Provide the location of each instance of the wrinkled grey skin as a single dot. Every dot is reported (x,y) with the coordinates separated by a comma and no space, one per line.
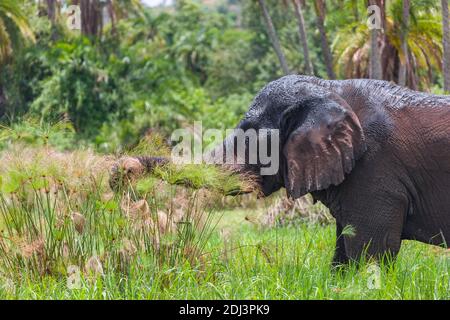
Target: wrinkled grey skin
(376,154)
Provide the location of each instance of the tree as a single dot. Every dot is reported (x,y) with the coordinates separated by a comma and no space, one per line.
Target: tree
(92,21)
(273,37)
(302,35)
(446,44)
(376,41)
(352,45)
(91,17)
(121,9)
(320,8)
(51,13)
(13,28)
(112,15)
(404,55)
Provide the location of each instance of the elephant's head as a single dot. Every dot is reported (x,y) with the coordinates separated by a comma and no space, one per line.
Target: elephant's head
(320,136)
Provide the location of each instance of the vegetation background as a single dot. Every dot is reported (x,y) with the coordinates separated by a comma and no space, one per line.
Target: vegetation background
(71,101)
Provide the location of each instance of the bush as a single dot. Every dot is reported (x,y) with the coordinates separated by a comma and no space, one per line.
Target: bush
(88,88)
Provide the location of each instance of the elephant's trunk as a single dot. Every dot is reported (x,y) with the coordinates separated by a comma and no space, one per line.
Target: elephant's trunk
(130,168)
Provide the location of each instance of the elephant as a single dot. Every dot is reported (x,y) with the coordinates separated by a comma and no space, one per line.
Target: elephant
(375,153)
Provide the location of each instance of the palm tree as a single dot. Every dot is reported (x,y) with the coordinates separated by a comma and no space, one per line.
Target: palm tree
(376,37)
(52,13)
(112,15)
(92,13)
(302,35)
(91,17)
(320,8)
(446,44)
(273,37)
(13,28)
(123,8)
(404,59)
(352,44)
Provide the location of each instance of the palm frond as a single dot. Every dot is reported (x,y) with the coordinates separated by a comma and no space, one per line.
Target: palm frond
(11,18)
(5,43)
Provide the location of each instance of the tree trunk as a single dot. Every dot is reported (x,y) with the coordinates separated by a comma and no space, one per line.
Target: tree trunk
(51,13)
(320,19)
(91,17)
(112,16)
(446,42)
(375,70)
(302,35)
(273,37)
(404,65)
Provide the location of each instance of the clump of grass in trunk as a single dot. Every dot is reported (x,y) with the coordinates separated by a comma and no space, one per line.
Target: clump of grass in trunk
(196,176)
(152,144)
(205,176)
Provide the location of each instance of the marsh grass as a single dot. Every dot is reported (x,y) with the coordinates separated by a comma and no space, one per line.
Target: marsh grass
(57,214)
(33,131)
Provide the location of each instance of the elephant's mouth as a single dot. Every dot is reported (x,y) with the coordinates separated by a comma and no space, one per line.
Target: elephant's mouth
(270,184)
(250,180)
(262,185)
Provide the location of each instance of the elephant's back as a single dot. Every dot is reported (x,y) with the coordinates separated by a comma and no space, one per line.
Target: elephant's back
(417,119)
(392,96)
(424,134)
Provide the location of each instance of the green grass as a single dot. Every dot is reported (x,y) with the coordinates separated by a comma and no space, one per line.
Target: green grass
(282,263)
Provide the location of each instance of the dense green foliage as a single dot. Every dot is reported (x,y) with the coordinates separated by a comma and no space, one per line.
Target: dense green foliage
(160,69)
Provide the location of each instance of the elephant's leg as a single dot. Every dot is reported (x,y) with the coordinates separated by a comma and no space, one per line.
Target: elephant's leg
(340,256)
(373,242)
(377,230)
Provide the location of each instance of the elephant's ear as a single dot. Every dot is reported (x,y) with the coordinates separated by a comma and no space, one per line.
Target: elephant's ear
(321,140)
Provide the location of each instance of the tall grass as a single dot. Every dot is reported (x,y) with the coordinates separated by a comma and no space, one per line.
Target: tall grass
(57,215)
(279,263)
